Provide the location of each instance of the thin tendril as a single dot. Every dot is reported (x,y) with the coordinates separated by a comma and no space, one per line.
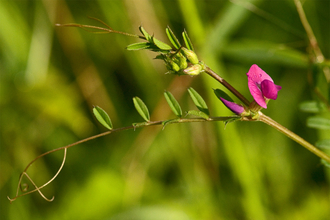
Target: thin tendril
(36,187)
(102,22)
(103,30)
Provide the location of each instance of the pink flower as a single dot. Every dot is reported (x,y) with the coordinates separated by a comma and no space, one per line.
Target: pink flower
(236,108)
(261,86)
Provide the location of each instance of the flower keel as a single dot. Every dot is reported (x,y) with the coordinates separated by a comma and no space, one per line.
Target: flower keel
(269,89)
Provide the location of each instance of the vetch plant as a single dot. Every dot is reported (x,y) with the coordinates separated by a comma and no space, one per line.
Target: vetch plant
(181,59)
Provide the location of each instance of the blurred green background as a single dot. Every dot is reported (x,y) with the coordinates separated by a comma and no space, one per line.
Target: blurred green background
(50,78)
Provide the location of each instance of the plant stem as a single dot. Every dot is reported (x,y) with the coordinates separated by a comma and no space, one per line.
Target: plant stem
(151,123)
(227,85)
(294,137)
(309,31)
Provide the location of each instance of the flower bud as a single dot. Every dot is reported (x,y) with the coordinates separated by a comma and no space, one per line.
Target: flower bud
(174,67)
(191,56)
(193,70)
(181,61)
(236,108)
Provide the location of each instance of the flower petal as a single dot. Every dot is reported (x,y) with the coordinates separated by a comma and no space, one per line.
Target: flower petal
(256,93)
(255,76)
(236,108)
(269,89)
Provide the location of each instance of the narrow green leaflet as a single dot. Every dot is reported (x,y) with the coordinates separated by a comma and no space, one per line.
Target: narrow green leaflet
(175,42)
(318,122)
(187,40)
(325,163)
(324,144)
(173,103)
(219,93)
(312,106)
(139,46)
(152,40)
(141,108)
(199,101)
(102,117)
(145,34)
(161,45)
(198,114)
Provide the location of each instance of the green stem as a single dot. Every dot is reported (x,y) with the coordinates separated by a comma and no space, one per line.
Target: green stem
(227,85)
(151,123)
(294,137)
(309,31)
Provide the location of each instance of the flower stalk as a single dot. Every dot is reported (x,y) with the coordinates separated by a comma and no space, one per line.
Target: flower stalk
(209,71)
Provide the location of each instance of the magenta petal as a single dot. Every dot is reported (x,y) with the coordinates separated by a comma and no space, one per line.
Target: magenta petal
(257,75)
(236,108)
(269,89)
(257,94)
(261,85)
